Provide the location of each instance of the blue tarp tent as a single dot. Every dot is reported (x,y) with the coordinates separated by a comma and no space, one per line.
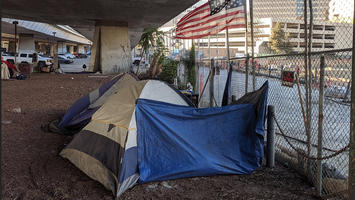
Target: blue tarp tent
(177,141)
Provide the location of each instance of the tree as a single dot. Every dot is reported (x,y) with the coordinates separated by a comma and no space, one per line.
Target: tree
(264,48)
(280,41)
(191,72)
(157,61)
(150,38)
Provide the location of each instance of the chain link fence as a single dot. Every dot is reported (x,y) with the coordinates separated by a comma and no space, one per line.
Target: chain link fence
(329,156)
(312,112)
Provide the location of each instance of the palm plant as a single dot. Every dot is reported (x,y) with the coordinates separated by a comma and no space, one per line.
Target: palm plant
(151,38)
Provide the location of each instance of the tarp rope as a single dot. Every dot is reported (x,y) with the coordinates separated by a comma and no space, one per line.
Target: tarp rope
(303,153)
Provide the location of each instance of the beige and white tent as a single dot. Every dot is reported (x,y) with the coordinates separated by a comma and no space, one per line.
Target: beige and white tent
(106,148)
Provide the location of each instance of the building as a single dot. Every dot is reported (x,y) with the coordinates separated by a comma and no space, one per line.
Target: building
(327,35)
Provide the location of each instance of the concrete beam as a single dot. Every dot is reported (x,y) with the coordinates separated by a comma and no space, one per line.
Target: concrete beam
(111,50)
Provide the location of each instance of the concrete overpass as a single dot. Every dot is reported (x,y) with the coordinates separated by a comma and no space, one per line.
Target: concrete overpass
(114,26)
(33,35)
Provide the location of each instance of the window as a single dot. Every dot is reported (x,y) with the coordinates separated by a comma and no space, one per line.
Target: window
(317,36)
(293,35)
(330,28)
(23,55)
(292,26)
(329,45)
(317,45)
(318,27)
(30,55)
(329,36)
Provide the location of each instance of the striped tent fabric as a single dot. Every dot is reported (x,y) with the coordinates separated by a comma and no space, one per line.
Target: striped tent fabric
(79,114)
(106,148)
(200,23)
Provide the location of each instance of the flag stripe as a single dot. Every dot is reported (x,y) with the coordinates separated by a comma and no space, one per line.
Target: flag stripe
(223,22)
(219,16)
(238,12)
(210,32)
(194,11)
(205,11)
(200,23)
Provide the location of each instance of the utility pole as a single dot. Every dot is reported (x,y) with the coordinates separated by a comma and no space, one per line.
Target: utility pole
(15,23)
(55,54)
(227,46)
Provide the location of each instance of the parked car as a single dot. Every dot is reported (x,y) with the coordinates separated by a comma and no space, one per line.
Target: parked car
(81,55)
(64,60)
(67,55)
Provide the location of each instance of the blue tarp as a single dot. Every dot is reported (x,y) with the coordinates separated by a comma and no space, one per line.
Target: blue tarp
(180,141)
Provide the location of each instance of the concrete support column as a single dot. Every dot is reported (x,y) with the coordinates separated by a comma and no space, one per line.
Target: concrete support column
(111,50)
(51,53)
(62,47)
(55,57)
(81,49)
(71,49)
(26,43)
(12,46)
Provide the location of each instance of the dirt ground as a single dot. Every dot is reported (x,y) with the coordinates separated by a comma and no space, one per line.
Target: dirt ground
(32,169)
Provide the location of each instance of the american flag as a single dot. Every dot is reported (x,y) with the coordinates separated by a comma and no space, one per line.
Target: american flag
(217,5)
(200,23)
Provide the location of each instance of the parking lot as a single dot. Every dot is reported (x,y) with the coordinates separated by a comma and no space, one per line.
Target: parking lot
(76,66)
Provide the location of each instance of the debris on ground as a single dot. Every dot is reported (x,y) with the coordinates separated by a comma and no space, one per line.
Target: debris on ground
(165,184)
(152,186)
(6,122)
(16,110)
(35,171)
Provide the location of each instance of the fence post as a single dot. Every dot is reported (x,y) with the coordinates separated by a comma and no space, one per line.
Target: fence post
(246,73)
(252,41)
(320,125)
(270,138)
(212,82)
(351,178)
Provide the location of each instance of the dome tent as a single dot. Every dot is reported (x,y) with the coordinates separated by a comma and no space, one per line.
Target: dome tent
(79,114)
(146,131)
(111,133)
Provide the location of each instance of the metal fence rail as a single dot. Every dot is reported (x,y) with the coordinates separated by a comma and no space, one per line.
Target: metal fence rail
(327,164)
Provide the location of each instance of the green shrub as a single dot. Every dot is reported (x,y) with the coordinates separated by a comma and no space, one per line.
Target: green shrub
(169,70)
(190,67)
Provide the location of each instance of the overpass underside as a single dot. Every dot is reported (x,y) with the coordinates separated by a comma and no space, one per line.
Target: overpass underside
(114,26)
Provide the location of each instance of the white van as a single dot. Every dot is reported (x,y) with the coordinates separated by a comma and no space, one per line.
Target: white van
(27,57)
